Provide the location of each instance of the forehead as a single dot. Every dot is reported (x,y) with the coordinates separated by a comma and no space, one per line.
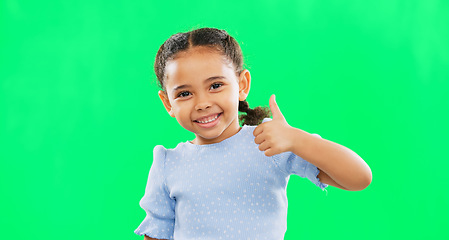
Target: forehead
(196,65)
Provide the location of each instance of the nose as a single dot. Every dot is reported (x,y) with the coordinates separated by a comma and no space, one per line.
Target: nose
(202,103)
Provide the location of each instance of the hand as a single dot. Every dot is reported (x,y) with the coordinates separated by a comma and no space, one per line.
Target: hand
(275,136)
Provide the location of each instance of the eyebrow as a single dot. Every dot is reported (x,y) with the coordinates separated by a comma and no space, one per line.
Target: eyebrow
(187,85)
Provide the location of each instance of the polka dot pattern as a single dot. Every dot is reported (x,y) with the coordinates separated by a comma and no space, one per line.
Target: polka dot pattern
(225,190)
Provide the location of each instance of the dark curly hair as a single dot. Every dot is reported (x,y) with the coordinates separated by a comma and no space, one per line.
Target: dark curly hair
(218,40)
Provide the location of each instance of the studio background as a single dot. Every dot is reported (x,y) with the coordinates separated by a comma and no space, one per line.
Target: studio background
(80,115)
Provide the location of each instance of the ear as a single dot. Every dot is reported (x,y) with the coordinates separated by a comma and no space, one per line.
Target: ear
(164,98)
(244,84)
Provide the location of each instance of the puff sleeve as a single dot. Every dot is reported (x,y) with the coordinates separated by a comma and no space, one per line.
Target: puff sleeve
(159,207)
(290,163)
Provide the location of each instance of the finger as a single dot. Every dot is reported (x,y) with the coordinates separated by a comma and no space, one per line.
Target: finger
(270,152)
(259,139)
(275,108)
(258,130)
(264,146)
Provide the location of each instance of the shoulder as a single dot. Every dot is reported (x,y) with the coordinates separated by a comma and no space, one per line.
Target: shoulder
(245,136)
(164,156)
(249,128)
(161,151)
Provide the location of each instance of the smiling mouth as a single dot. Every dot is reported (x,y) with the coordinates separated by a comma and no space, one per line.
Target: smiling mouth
(208,119)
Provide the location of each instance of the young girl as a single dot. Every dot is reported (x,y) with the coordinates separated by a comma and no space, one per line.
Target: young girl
(230,181)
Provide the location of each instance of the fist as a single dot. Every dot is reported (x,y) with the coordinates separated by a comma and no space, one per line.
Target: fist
(275,136)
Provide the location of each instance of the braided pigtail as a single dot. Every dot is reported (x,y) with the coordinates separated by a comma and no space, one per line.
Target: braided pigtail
(253,116)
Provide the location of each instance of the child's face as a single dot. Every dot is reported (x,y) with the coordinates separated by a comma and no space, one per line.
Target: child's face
(203,93)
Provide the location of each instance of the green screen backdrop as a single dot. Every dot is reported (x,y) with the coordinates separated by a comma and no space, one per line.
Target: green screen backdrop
(80,115)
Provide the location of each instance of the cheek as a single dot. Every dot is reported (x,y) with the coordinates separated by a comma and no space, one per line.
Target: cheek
(182,110)
(232,101)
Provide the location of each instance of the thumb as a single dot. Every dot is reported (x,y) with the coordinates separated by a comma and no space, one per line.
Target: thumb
(275,108)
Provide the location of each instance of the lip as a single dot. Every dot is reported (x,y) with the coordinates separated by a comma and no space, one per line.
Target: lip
(209,124)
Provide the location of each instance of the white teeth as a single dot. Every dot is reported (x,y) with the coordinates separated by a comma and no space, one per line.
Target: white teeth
(209,119)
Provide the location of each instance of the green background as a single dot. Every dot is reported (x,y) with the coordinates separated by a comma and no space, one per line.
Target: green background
(80,115)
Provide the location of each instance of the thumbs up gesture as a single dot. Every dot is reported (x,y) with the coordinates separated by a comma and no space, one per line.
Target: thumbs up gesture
(275,136)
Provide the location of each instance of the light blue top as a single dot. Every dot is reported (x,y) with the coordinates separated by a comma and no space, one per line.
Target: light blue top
(226,190)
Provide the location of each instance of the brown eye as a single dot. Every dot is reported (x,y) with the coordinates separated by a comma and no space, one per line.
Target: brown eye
(184,94)
(216,85)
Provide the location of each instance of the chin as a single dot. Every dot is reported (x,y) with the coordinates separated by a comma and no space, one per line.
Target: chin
(210,136)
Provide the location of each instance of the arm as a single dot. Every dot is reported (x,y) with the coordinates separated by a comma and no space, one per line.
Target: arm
(158,206)
(339,166)
(148,238)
